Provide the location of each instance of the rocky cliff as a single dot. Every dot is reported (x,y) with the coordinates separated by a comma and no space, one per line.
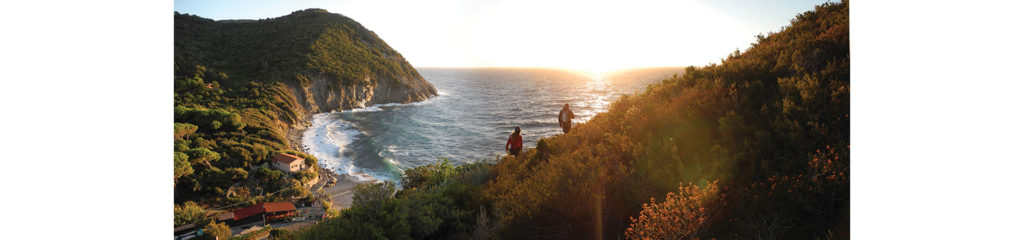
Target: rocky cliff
(329,61)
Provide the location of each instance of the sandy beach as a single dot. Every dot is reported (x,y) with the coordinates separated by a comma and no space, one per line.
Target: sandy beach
(341,191)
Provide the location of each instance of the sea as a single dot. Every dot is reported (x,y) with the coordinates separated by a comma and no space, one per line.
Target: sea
(469,121)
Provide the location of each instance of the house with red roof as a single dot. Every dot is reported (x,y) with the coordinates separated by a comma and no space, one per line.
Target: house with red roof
(288,163)
(264,212)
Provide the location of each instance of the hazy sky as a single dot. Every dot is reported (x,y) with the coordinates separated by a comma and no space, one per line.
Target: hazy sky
(594,36)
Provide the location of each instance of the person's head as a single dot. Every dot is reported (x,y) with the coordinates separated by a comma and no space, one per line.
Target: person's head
(517,131)
(566,106)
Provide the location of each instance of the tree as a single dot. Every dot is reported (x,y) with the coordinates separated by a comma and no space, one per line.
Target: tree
(215,230)
(183,130)
(188,212)
(237,174)
(182,167)
(202,155)
(270,179)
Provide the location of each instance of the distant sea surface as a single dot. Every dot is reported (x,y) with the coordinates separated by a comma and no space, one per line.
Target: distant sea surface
(469,121)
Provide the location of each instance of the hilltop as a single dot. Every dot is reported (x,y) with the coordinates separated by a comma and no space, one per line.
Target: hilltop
(328,61)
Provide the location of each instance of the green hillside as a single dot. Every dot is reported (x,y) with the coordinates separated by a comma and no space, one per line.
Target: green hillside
(755,147)
(240,87)
(311,41)
(329,61)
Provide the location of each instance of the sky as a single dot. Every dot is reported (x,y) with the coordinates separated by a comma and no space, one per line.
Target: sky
(592,36)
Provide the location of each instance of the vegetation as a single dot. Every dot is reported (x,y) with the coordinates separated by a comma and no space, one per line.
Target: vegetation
(685,215)
(445,204)
(757,118)
(224,139)
(262,234)
(216,231)
(238,89)
(291,49)
(760,140)
(189,212)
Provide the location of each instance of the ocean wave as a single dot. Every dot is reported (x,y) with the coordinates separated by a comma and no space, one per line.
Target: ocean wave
(366,109)
(328,139)
(379,107)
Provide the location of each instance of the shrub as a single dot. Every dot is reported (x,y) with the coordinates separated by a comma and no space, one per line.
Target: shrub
(184,130)
(189,212)
(430,175)
(373,196)
(683,215)
(215,230)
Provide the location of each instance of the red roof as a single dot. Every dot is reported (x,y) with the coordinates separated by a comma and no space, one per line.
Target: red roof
(262,208)
(279,207)
(287,158)
(248,211)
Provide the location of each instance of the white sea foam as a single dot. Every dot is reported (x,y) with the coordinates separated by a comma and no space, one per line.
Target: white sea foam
(327,140)
(373,108)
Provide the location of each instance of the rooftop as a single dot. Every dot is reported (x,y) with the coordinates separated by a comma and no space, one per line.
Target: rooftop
(262,208)
(287,158)
(279,206)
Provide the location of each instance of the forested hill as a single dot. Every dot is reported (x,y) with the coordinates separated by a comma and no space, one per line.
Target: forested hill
(755,147)
(240,86)
(328,61)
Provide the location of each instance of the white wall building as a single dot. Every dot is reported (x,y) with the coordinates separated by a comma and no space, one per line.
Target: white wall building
(288,163)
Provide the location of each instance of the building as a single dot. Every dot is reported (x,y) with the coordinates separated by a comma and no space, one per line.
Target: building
(279,210)
(288,163)
(264,212)
(227,218)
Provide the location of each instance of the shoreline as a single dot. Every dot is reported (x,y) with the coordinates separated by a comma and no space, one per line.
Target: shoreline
(341,192)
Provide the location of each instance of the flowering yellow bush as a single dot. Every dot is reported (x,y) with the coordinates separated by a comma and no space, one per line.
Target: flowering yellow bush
(683,215)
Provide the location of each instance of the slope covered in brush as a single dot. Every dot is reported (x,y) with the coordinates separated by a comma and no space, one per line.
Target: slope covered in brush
(770,124)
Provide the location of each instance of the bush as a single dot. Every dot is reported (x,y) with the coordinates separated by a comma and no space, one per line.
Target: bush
(434,174)
(373,196)
(216,231)
(189,212)
(683,215)
(442,211)
(184,130)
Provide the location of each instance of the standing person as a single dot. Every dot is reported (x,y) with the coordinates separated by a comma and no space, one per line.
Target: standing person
(516,142)
(565,118)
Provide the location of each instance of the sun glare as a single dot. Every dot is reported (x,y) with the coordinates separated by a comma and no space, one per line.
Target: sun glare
(591,36)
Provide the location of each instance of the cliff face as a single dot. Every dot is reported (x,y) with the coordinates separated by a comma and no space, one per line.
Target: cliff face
(320,96)
(329,61)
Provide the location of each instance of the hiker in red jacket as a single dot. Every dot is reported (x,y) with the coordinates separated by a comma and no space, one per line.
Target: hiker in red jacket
(516,142)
